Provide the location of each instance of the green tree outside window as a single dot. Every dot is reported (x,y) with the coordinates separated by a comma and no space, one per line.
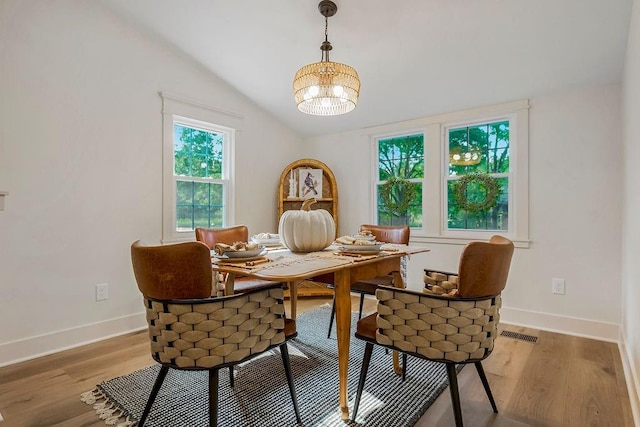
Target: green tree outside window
(198,161)
(400,174)
(479,149)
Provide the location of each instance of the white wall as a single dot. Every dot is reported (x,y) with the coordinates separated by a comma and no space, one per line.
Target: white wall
(80,154)
(574,216)
(631,210)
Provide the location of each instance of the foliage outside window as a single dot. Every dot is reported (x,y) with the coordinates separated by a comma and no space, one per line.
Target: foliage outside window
(481,154)
(198,177)
(400,173)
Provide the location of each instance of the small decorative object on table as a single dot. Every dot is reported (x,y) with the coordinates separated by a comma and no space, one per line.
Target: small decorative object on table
(307,230)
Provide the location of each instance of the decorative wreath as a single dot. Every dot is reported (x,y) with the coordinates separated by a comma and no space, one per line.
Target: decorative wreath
(491,186)
(393,206)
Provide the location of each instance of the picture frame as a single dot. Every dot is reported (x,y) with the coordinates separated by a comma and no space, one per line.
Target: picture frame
(309,183)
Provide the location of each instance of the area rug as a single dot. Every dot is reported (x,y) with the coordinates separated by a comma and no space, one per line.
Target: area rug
(261,397)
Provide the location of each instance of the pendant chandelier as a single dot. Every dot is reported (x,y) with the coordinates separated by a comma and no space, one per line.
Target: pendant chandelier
(326,88)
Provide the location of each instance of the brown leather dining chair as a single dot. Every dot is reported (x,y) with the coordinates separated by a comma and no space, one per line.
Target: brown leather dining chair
(189,330)
(230,235)
(383,233)
(454,328)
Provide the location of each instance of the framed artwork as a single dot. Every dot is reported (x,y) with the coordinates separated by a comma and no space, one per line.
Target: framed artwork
(309,183)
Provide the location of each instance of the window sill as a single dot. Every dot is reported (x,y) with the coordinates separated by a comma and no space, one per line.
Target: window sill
(518,243)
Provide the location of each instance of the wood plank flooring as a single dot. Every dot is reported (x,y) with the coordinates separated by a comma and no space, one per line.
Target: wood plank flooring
(559,381)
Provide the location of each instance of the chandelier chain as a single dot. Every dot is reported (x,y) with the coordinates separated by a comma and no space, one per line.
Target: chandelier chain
(326,46)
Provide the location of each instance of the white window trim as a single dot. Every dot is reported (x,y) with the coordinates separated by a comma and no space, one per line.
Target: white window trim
(436,171)
(180,110)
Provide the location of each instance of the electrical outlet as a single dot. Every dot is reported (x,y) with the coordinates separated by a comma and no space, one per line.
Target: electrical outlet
(558,286)
(102,292)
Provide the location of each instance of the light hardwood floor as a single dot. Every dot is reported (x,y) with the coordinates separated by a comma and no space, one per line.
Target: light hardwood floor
(559,381)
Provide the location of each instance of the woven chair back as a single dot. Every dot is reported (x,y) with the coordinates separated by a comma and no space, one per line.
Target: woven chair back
(437,328)
(213,332)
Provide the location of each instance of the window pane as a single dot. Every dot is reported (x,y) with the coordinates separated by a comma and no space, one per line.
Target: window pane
(184,218)
(197,152)
(481,148)
(400,158)
(496,218)
(199,204)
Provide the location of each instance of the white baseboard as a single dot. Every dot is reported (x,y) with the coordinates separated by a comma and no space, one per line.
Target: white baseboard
(42,345)
(602,331)
(631,376)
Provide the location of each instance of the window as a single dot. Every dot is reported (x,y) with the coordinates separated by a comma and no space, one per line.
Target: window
(198,147)
(466,174)
(478,149)
(400,172)
(198,174)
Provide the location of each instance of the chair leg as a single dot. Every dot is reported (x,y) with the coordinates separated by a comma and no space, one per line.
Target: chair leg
(213,397)
(231,379)
(361,304)
(485,383)
(363,376)
(154,393)
(333,314)
(404,366)
(455,396)
(284,351)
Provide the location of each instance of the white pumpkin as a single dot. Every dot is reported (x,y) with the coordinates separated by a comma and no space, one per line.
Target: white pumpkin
(307,230)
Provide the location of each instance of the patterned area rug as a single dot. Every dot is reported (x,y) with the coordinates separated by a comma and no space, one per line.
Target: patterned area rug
(261,397)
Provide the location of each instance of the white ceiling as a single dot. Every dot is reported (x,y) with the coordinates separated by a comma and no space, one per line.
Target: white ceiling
(415,57)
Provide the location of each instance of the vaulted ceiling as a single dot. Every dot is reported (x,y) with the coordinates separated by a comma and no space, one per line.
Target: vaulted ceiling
(415,57)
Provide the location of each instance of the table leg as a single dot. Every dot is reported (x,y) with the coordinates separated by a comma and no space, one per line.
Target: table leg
(343,332)
(293,298)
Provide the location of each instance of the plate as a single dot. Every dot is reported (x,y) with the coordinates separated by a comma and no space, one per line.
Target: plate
(273,241)
(360,248)
(244,254)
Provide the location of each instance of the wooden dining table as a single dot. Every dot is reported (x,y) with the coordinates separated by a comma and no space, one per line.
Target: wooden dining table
(285,266)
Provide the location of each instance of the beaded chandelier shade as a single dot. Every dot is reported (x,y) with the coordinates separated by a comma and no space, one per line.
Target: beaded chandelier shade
(326,88)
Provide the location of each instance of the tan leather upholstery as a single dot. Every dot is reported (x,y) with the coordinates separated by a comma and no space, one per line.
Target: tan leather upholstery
(389,233)
(230,235)
(398,234)
(367,327)
(484,267)
(227,235)
(177,271)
